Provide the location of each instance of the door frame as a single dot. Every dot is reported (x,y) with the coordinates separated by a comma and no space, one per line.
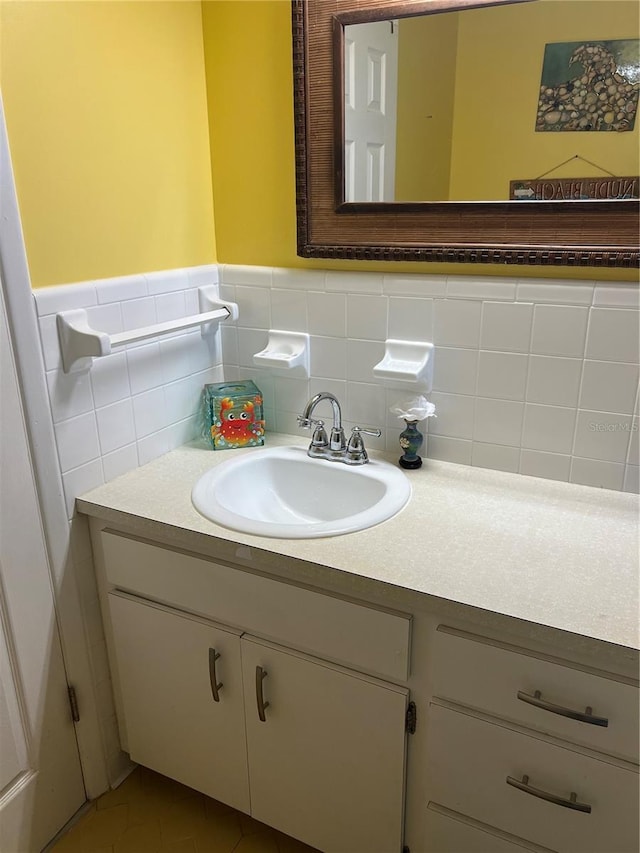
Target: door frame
(21,317)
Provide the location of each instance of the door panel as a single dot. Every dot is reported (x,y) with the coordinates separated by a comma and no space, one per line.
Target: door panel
(41,779)
(13,747)
(327,764)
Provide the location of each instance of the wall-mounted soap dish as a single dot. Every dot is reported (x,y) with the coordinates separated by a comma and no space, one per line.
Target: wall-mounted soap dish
(285,351)
(406,364)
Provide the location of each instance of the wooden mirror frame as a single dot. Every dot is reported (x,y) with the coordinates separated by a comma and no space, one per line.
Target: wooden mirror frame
(541,233)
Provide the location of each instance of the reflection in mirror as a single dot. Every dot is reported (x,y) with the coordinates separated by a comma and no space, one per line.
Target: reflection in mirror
(455,106)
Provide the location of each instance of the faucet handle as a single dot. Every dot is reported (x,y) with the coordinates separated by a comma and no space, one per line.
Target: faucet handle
(375,432)
(307,423)
(319,439)
(355,453)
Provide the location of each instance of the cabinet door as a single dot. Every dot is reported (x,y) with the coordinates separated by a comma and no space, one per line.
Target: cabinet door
(174,725)
(327,763)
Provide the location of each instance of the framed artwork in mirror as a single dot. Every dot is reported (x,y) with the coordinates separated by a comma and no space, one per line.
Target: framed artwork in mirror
(467,221)
(589,86)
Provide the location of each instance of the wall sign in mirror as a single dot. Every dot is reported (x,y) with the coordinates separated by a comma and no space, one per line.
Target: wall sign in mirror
(415,118)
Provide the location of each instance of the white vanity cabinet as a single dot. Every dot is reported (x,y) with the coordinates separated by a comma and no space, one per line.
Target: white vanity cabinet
(326,764)
(530,748)
(515,647)
(181,683)
(309,746)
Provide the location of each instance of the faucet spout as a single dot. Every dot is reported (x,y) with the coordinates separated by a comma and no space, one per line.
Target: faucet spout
(337,443)
(335,405)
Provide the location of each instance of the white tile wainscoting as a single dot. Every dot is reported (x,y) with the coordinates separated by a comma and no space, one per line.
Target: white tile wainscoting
(538,377)
(531,376)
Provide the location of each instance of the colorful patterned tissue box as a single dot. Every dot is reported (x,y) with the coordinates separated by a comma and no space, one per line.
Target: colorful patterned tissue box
(233,415)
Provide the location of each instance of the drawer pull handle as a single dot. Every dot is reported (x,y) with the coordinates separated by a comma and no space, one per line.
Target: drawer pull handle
(585,716)
(571,803)
(213,678)
(262,705)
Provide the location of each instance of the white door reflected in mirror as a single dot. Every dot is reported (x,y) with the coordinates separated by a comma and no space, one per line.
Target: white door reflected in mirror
(371,86)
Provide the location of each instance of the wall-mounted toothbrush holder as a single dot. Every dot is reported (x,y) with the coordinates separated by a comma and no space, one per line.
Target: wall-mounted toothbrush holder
(406,364)
(287,351)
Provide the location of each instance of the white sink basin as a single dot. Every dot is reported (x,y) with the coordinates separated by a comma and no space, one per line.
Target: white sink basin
(281,492)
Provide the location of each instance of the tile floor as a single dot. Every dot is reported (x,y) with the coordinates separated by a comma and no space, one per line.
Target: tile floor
(149,813)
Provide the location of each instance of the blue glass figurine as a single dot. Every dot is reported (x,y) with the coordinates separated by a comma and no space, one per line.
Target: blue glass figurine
(410,441)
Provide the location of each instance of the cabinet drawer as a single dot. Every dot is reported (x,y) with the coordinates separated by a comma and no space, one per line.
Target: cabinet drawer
(450,832)
(471,760)
(491,678)
(362,637)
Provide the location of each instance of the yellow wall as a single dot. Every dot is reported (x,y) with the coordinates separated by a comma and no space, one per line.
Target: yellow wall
(107,116)
(426,52)
(106,112)
(498,75)
(249,76)
(250,94)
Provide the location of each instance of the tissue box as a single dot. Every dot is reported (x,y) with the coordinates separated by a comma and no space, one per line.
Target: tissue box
(233,415)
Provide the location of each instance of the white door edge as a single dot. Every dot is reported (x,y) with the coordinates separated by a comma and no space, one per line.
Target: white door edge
(21,317)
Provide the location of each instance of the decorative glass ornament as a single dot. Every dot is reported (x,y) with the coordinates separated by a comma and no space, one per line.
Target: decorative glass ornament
(410,441)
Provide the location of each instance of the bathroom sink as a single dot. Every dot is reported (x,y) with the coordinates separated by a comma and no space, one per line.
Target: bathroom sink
(281,492)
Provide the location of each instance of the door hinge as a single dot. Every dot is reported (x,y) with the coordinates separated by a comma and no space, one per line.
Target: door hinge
(410,718)
(73,702)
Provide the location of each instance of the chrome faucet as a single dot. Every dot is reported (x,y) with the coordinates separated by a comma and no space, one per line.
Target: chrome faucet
(320,444)
(334,447)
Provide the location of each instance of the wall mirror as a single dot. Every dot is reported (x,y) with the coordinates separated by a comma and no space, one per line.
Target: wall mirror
(477,102)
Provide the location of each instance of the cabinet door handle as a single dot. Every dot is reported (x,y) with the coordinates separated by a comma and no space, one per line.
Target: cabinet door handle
(585,716)
(262,705)
(571,803)
(213,678)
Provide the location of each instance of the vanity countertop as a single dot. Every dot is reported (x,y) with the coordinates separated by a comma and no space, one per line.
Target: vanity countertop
(554,554)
